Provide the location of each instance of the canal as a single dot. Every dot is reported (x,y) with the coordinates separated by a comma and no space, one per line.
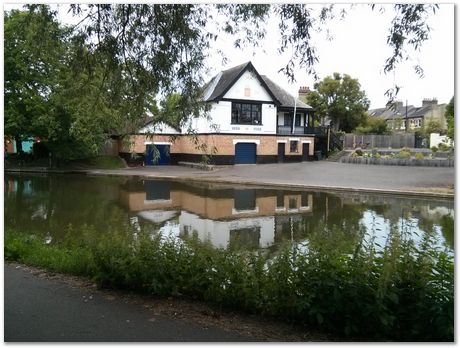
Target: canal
(54,207)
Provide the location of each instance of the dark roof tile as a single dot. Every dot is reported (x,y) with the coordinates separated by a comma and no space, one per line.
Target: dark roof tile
(225,79)
(286,99)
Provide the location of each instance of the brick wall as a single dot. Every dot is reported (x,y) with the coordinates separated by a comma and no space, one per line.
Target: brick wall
(223,144)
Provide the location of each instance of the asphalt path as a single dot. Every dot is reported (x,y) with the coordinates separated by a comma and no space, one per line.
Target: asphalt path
(39,309)
(319,175)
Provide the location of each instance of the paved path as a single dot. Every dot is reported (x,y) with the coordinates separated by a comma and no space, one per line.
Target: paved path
(321,175)
(46,310)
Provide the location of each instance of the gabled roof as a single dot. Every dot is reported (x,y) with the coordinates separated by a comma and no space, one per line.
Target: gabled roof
(286,99)
(222,82)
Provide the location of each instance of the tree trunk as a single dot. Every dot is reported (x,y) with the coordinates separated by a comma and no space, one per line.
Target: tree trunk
(18,141)
(336,126)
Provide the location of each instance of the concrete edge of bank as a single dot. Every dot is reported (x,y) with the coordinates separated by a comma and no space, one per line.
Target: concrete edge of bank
(219,180)
(284,185)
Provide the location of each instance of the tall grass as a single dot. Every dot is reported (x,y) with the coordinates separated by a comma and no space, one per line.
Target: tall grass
(399,292)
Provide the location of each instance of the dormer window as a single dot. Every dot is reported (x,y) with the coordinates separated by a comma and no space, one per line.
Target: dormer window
(245,113)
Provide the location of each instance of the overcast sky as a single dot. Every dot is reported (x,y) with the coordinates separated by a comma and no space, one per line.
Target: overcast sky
(358,48)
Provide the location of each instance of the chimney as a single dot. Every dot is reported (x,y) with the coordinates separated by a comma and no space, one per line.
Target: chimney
(396,105)
(399,104)
(428,102)
(303,92)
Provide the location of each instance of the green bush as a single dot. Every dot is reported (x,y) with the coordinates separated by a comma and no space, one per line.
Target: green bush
(403,292)
(419,156)
(443,147)
(403,154)
(358,152)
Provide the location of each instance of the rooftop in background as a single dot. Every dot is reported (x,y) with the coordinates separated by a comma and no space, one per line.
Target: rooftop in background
(399,109)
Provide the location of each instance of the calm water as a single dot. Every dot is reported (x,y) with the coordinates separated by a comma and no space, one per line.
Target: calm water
(54,207)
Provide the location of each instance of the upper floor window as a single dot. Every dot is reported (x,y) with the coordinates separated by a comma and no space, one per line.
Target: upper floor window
(243,113)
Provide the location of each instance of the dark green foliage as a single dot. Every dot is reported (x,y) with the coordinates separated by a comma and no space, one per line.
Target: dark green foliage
(450,117)
(33,47)
(400,292)
(40,150)
(373,125)
(340,99)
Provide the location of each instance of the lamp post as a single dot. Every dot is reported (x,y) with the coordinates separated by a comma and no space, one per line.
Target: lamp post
(295,109)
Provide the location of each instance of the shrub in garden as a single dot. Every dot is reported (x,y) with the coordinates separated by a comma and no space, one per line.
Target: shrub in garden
(403,154)
(443,147)
(419,156)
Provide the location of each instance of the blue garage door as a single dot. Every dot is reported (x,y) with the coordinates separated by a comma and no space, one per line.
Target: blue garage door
(163,150)
(245,153)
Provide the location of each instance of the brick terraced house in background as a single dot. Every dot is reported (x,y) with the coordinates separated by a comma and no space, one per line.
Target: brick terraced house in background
(251,120)
(399,116)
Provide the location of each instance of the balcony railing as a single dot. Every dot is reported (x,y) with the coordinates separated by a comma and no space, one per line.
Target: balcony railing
(287,130)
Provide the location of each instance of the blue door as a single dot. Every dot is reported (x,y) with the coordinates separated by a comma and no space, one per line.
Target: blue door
(245,153)
(164,158)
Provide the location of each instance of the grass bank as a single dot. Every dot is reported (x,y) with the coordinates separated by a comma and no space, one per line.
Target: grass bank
(399,292)
(99,162)
(96,162)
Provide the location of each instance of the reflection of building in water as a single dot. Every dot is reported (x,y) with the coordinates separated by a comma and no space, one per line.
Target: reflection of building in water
(252,232)
(220,215)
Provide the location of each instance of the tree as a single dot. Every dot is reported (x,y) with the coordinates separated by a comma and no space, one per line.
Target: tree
(432,125)
(58,90)
(450,117)
(32,49)
(341,100)
(373,125)
(159,35)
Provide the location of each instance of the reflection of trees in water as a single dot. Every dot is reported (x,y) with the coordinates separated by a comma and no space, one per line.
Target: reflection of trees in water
(55,202)
(331,223)
(447,227)
(421,218)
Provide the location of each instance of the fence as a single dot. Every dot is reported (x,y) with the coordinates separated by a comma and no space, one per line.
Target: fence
(110,148)
(394,141)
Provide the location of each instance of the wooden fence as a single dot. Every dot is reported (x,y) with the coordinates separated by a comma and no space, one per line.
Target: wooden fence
(394,141)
